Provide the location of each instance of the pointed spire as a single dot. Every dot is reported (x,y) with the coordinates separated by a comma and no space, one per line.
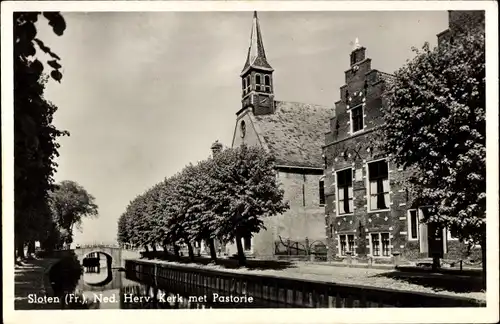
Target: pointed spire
(356,44)
(256,55)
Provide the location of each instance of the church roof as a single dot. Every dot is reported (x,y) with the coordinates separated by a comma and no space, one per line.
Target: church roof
(256,55)
(295,133)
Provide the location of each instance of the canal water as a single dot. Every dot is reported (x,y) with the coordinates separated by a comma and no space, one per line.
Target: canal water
(109,288)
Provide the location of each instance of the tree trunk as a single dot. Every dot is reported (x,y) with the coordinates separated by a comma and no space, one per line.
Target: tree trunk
(242,260)
(213,253)
(165,250)
(31,248)
(20,247)
(483,258)
(176,252)
(146,248)
(435,262)
(154,247)
(190,251)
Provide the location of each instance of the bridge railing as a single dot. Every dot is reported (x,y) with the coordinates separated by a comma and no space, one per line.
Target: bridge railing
(100,245)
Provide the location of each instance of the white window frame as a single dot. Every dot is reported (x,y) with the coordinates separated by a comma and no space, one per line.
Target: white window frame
(418,211)
(349,248)
(337,192)
(380,245)
(362,116)
(368,191)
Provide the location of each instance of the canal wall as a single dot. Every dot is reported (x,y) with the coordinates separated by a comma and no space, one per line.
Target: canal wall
(287,292)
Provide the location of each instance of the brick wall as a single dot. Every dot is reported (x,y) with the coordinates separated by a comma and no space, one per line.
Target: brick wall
(365,86)
(460,20)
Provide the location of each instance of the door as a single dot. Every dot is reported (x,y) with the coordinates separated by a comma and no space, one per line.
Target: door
(435,239)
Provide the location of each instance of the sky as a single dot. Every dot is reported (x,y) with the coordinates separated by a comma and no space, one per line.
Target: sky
(144,94)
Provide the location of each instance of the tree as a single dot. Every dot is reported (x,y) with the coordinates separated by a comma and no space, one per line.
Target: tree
(70,203)
(244,189)
(194,194)
(435,129)
(35,146)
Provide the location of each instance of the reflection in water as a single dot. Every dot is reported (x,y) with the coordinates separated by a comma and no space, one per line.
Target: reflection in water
(124,292)
(113,289)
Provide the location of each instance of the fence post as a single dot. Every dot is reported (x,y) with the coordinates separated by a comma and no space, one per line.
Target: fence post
(396,257)
(349,257)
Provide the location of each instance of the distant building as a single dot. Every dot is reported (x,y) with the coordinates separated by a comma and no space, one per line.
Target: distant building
(294,133)
(366,209)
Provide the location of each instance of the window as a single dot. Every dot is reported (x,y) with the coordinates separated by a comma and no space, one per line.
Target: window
(257,82)
(244,85)
(247,243)
(322,192)
(343,244)
(413,224)
(375,244)
(344,192)
(449,236)
(357,119)
(353,58)
(386,250)
(267,80)
(378,175)
(248,83)
(303,195)
(346,243)
(380,244)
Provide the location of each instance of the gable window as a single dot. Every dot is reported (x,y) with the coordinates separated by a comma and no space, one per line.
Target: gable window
(378,175)
(344,192)
(380,244)
(322,192)
(346,243)
(353,58)
(356,119)
(413,224)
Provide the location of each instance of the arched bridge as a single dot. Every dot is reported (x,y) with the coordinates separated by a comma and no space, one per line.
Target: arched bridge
(115,254)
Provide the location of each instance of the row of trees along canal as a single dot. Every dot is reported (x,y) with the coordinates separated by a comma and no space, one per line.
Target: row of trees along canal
(224,198)
(434,129)
(43,211)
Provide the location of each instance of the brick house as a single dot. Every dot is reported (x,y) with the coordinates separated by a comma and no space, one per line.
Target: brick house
(294,133)
(366,208)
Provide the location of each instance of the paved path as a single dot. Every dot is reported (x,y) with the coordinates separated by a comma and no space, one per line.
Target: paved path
(29,279)
(382,278)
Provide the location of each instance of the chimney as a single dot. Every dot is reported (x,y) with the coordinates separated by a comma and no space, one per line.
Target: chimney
(358,53)
(216,148)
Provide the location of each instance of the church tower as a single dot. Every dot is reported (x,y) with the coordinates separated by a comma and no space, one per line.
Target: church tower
(257,75)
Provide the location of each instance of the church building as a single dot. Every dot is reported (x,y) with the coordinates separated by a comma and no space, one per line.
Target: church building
(294,133)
